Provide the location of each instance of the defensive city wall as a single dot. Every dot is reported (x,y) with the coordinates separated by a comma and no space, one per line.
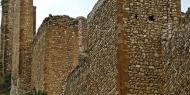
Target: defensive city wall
(123,47)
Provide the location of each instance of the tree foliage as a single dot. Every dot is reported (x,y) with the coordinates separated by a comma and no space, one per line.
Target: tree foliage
(5,5)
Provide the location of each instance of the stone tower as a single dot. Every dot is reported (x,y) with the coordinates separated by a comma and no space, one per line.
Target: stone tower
(21,16)
(141,24)
(125,52)
(5,53)
(5,47)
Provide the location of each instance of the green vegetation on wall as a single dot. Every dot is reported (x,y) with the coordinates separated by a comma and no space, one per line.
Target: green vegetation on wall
(36,92)
(5,84)
(5,5)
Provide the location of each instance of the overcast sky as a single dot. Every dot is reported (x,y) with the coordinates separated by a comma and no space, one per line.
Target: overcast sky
(72,8)
(185,4)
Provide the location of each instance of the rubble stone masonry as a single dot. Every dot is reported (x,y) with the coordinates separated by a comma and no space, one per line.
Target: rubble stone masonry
(124,47)
(5,53)
(22,35)
(141,61)
(176,48)
(55,54)
(150,39)
(97,73)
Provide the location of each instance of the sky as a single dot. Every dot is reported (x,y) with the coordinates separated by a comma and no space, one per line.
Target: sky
(73,8)
(184,5)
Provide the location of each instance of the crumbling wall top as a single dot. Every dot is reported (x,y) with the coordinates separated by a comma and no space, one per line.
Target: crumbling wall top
(56,21)
(59,20)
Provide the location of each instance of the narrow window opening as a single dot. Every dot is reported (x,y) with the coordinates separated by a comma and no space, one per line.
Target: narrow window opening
(136,16)
(151,18)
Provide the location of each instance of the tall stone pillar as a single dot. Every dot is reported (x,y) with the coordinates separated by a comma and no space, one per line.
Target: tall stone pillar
(5,47)
(23,29)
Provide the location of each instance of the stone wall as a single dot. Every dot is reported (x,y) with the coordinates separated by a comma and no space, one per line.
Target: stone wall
(102,50)
(125,47)
(77,82)
(5,39)
(26,37)
(151,42)
(141,61)
(82,32)
(176,48)
(5,48)
(22,35)
(34,18)
(14,26)
(55,53)
(77,79)
(97,73)
(38,58)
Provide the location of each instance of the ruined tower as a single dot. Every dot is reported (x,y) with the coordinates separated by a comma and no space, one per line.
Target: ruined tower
(125,49)
(22,34)
(141,60)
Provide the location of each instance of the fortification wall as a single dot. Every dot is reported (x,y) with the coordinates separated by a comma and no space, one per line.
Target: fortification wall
(5,48)
(6,39)
(98,74)
(141,60)
(15,26)
(130,47)
(82,34)
(26,37)
(102,49)
(77,80)
(22,36)
(176,47)
(38,58)
(57,44)
(151,46)
(77,83)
